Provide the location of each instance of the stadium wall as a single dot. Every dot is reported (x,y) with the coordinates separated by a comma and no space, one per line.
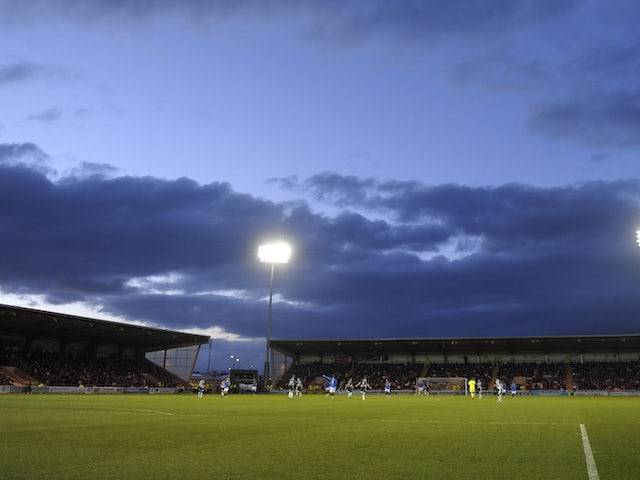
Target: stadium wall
(53,389)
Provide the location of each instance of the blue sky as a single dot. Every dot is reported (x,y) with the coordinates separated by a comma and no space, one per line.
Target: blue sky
(368,124)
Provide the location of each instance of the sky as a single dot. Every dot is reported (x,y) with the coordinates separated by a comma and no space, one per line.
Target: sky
(441,168)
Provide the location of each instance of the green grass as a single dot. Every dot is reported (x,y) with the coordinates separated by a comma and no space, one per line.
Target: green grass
(263,437)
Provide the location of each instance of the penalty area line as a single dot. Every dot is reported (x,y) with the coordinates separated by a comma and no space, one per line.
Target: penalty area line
(592,470)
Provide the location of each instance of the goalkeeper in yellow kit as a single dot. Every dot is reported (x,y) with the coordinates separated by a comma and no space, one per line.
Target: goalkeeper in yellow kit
(472,387)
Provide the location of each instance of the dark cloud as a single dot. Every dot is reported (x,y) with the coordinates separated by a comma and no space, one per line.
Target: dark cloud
(588,94)
(503,70)
(20,71)
(450,260)
(428,18)
(17,151)
(81,111)
(415,19)
(601,157)
(602,119)
(502,213)
(88,169)
(49,115)
(25,154)
(341,190)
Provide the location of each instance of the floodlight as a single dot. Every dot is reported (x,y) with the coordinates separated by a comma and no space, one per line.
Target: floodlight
(277,252)
(638,237)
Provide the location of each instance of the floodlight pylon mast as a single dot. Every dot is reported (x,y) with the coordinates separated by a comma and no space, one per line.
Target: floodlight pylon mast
(267,356)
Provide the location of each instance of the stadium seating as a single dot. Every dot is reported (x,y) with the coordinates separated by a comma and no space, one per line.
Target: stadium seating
(606,375)
(4,380)
(534,376)
(52,368)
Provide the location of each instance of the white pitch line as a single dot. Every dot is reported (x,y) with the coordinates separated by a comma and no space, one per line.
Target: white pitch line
(128,411)
(592,470)
(158,412)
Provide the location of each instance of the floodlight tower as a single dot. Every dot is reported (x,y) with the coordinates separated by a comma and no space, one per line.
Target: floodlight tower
(272,253)
(638,237)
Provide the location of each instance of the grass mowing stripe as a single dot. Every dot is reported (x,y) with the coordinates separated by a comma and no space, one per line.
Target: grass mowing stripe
(135,411)
(592,470)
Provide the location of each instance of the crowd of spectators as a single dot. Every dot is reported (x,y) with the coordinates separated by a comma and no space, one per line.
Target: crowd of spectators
(606,376)
(53,368)
(4,380)
(401,375)
(536,376)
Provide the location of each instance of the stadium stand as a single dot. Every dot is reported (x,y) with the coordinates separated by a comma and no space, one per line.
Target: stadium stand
(528,376)
(605,363)
(52,368)
(51,349)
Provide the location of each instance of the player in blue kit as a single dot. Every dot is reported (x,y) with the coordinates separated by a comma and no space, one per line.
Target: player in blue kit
(224,387)
(332,385)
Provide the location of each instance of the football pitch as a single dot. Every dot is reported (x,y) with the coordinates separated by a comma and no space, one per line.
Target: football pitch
(314,437)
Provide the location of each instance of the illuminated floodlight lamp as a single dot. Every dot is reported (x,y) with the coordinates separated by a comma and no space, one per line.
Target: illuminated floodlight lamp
(638,237)
(277,252)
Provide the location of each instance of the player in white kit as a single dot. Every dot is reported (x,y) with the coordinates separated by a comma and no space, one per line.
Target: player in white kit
(292,385)
(499,389)
(299,387)
(364,386)
(201,388)
(349,388)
